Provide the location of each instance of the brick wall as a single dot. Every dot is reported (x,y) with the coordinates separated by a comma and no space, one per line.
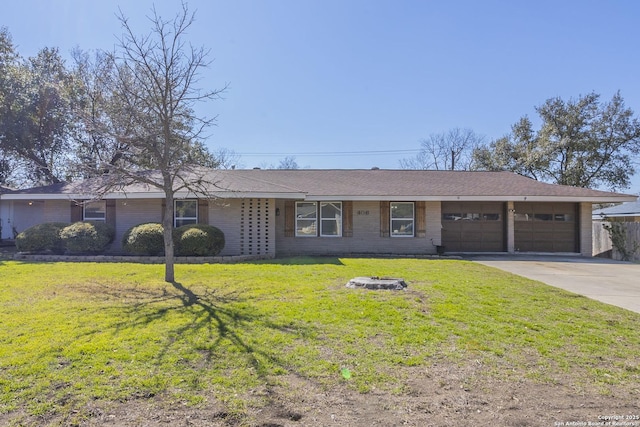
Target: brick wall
(366,235)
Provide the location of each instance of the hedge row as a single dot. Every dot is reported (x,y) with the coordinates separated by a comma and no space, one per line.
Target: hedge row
(188,240)
(142,239)
(59,238)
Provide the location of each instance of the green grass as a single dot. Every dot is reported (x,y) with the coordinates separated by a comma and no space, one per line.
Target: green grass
(71,334)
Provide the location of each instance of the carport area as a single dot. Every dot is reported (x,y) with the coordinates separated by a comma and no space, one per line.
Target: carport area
(613,282)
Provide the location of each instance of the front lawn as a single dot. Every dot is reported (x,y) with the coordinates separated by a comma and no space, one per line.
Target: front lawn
(75,337)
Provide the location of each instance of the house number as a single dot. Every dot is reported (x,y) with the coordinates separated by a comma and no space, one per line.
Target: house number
(363,212)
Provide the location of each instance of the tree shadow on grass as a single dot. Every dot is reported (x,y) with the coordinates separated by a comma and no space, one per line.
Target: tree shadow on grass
(223,323)
(226,318)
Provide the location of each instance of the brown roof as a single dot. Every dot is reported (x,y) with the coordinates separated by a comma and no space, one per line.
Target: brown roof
(364,184)
(419,184)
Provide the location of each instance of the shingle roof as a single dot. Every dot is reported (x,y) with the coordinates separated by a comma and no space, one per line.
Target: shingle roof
(384,184)
(361,184)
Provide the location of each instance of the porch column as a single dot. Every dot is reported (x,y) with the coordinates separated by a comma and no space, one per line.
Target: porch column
(585,237)
(510,228)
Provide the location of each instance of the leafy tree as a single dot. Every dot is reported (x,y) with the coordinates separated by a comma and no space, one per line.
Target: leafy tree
(452,150)
(99,119)
(36,100)
(582,142)
(150,122)
(8,60)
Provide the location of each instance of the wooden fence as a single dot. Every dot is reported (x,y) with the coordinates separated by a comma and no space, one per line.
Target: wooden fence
(602,246)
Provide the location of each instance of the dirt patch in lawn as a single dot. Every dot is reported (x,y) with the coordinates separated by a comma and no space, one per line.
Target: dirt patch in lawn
(441,395)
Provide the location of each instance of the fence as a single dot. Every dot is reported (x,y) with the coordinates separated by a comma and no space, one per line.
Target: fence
(602,246)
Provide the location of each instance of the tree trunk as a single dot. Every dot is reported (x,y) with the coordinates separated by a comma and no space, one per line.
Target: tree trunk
(167,225)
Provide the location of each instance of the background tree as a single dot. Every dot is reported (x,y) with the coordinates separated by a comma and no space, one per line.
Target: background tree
(8,58)
(452,150)
(151,119)
(36,102)
(226,158)
(288,162)
(582,142)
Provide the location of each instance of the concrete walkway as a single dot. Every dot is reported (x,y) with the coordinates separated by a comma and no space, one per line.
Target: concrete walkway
(613,282)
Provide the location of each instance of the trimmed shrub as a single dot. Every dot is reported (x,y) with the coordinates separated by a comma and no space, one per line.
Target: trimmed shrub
(144,239)
(42,238)
(87,237)
(198,240)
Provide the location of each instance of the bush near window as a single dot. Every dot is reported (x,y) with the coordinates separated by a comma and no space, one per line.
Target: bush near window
(144,239)
(198,240)
(42,238)
(87,237)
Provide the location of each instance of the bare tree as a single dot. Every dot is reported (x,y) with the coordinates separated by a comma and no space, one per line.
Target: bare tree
(445,151)
(226,158)
(156,138)
(288,162)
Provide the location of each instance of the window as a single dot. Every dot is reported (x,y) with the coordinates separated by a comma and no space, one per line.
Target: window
(329,214)
(95,211)
(402,219)
(451,216)
(471,217)
(306,219)
(185,212)
(542,217)
(491,217)
(331,219)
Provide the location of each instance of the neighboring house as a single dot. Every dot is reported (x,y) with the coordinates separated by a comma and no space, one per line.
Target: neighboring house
(338,212)
(625,212)
(5,225)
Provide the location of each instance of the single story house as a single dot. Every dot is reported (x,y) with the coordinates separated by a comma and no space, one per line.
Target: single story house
(338,212)
(625,212)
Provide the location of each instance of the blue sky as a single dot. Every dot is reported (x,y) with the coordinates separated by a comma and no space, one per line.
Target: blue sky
(328,76)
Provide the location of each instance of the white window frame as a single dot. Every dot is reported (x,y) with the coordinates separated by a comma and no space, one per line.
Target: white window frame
(411,220)
(177,218)
(102,208)
(313,221)
(337,220)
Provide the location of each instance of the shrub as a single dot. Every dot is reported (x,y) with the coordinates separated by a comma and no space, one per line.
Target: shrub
(42,238)
(198,240)
(144,239)
(87,237)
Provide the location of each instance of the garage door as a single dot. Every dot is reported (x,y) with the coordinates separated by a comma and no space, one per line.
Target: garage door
(473,227)
(546,227)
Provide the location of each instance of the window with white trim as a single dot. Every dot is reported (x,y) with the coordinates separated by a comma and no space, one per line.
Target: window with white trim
(94,211)
(185,212)
(315,219)
(402,219)
(331,219)
(306,219)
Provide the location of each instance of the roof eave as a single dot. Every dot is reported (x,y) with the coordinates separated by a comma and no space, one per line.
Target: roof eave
(519,198)
(155,195)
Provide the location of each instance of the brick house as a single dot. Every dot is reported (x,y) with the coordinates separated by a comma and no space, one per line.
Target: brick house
(338,211)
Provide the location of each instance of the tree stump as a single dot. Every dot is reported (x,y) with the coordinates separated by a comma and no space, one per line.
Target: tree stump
(375,282)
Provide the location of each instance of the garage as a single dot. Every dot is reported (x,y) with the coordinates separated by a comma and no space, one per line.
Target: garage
(473,226)
(546,227)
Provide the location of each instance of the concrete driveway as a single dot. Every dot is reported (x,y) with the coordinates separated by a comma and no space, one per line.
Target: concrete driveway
(612,282)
